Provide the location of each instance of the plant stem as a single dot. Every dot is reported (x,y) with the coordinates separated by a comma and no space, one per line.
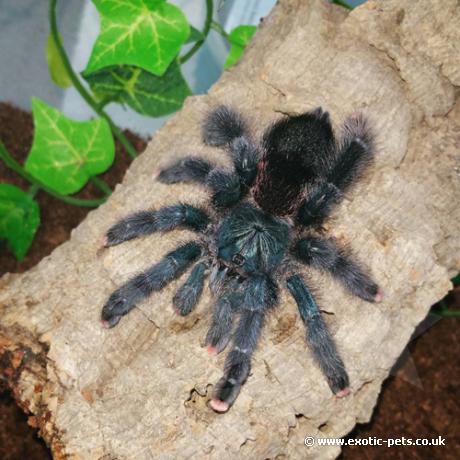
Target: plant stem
(449,313)
(218,28)
(101,185)
(342,3)
(205,32)
(443,310)
(78,85)
(33,189)
(36,184)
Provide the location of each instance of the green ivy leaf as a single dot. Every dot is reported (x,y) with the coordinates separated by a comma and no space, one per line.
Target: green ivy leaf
(241,35)
(233,56)
(238,38)
(19,219)
(142,33)
(343,4)
(144,92)
(195,35)
(66,153)
(56,67)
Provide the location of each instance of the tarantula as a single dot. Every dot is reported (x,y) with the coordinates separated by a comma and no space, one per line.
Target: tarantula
(255,234)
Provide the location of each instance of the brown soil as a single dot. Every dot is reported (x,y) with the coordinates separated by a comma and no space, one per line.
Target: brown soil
(403,408)
(17,440)
(428,409)
(57,218)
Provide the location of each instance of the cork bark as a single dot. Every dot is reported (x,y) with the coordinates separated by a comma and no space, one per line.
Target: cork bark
(140,391)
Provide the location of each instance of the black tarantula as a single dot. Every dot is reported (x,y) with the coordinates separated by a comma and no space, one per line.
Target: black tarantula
(254,235)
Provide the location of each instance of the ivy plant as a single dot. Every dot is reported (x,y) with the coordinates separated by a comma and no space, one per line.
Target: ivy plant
(57,70)
(19,219)
(135,61)
(143,91)
(146,34)
(238,38)
(65,153)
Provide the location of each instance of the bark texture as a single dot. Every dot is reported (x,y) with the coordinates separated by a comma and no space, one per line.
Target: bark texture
(139,391)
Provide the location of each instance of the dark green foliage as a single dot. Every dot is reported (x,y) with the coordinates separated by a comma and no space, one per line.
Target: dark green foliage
(143,91)
(135,61)
(19,219)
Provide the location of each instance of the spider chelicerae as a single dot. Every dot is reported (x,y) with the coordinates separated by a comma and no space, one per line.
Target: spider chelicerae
(255,235)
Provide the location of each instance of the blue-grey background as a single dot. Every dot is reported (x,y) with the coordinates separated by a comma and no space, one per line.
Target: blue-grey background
(24,30)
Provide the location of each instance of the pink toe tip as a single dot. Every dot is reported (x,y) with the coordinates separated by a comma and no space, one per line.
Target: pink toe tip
(105,324)
(218,405)
(104,241)
(356,116)
(156,173)
(379,296)
(212,350)
(343,393)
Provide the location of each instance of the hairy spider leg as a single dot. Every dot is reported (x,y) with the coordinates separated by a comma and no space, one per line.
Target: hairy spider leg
(220,330)
(321,200)
(260,294)
(327,256)
(318,337)
(188,295)
(164,219)
(222,125)
(238,361)
(224,128)
(224,184)
(124,299)
(246,157)
(354,154)
(188,169)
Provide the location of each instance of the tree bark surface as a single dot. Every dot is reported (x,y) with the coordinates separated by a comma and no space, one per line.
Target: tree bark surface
(140,390)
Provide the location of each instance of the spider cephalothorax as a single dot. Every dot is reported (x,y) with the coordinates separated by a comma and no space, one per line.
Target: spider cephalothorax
(255,234)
